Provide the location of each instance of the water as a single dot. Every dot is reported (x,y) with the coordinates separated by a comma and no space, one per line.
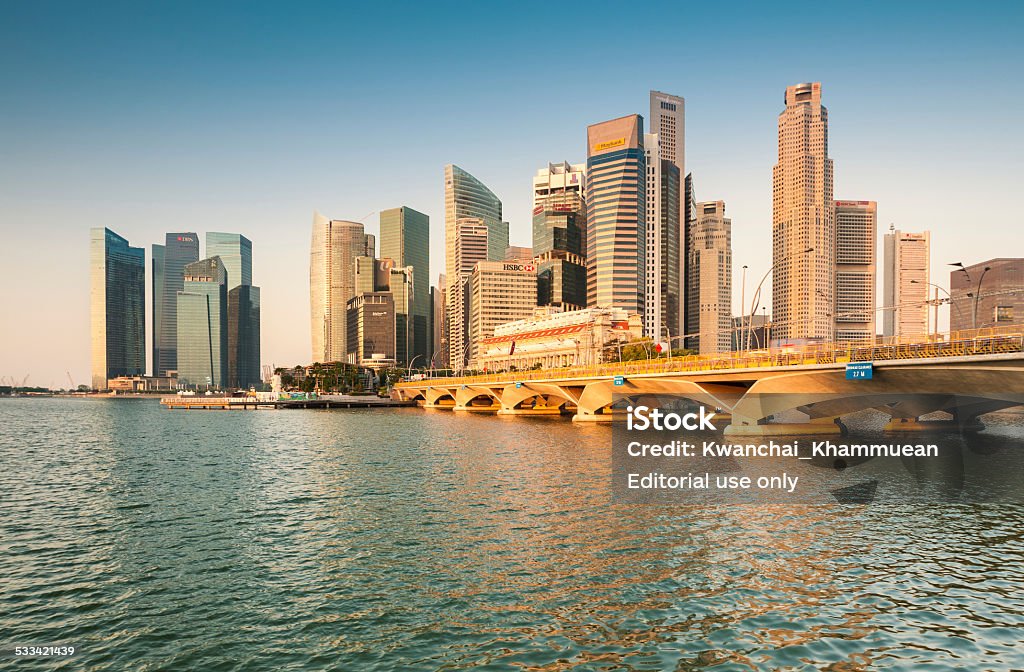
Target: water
(404,539)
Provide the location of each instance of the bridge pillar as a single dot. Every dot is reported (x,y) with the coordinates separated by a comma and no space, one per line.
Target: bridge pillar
(764,428)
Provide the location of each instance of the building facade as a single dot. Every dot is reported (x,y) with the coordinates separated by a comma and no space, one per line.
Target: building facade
(552,338)
(803,221)
(905,285)
(371,329)
(235,252)
(616,214)
(498,292)
(438,296)
(335,246)
(987,294)
(168,264)
(405,238)
(663,272)
(470,248)
(117,307)
(467,199)
(856,231)
(668,122)
(560,234)
(203,326)
(711,279)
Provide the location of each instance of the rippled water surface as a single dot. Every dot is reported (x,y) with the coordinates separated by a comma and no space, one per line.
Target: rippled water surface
(414,540)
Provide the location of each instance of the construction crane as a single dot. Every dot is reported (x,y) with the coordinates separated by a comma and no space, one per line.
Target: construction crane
(71,382)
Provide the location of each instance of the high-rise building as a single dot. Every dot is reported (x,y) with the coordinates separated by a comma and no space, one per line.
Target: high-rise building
(856,231)
(616,214)
(235,252)
(439,357)
(668,122)
(987,294)
(203,325)
(371,329)
(803,221)
(559,235)
(499,292)
(465,196)
(117,307)
(169,261)
(905,285)
(663,271)
(369,245)
(690,276)
(244,337)
(471,246)
(711,261)
(335,246)
(405,238)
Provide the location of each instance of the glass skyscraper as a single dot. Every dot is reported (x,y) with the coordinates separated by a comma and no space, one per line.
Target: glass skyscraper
(235,252)
(559,235)
(203,325)
(405,238)
(117,307)
(169,261)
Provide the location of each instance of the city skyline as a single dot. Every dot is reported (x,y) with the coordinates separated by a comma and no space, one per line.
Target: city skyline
(902,162)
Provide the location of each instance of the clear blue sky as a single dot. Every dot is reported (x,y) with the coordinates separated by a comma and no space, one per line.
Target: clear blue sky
(244,117)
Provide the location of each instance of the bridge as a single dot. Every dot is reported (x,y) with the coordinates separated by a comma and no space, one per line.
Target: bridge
(964,374)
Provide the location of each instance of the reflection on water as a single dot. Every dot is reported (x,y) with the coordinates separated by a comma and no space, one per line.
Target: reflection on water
(406,539)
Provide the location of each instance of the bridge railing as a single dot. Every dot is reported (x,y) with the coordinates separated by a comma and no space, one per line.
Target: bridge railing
(989,340)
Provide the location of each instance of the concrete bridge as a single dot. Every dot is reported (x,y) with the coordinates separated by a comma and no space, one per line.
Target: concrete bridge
(965,375)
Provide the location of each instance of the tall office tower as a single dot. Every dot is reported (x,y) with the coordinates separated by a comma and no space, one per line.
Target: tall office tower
(465,196)
(668,121)
(371,329)
(369,245)
(905,284)
(365,275)
(117,307)
(471,246)
(405,238)
(203,325)
(559,235)
(438,295)
(335,246)
(235,252)
(663,273)
(690,277)
(711,264)
(856,230)
(987,294)
(803,221)
(169,261)
(616,214)
(499,292)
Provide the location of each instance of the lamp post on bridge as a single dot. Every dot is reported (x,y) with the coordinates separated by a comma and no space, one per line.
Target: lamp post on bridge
(756,300)
(976,295)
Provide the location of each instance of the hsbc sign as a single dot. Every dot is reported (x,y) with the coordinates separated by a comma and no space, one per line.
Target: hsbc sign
(526,268)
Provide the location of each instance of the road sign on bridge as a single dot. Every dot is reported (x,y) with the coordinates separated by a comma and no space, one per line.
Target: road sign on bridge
(859,370)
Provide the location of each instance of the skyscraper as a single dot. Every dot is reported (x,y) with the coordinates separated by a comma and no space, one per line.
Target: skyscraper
(905,276)
(616,214)
(117,307)
(498,292)
(471,246)
(335,245)
(668,122)
(438,296)
(803,221)
(203,325)
(711,277)
(856,230)
(169,261)
(405,238)
(559,235)
(663,272)
(235,252)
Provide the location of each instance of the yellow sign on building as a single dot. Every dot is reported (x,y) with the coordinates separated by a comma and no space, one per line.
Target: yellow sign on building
(608,144)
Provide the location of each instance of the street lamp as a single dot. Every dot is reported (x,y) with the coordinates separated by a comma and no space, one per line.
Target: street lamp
(977,297)
(948,295)
(756,300)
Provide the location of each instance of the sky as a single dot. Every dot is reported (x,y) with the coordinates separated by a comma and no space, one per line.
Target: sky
(246,117)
